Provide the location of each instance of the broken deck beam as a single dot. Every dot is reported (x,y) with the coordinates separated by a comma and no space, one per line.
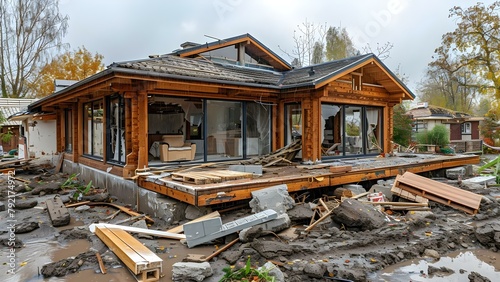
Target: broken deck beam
(142,262)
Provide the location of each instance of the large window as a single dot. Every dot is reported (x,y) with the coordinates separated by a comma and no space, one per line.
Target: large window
(351,130)
(116,130)
(258,129)
(93,129)
(293,122)
(224,124)
(68,131)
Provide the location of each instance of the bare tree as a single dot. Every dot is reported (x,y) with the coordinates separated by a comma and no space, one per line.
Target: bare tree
(382,51)
(29,31)
(306,37)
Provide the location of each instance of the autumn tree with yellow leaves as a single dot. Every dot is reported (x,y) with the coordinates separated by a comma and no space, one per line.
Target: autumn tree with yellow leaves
(76,65)
(468,60)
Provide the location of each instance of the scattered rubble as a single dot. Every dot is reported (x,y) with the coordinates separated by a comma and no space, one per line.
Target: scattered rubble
(345,234)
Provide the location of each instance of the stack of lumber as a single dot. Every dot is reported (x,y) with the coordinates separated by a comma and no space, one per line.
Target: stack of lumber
(442,193)
(210,176)
(142,262)
(284,155)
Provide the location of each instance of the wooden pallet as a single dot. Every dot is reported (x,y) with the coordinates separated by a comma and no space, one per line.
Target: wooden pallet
(142,262)
(439,192)
(210,176)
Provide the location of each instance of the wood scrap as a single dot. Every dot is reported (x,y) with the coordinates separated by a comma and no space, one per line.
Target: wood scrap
(122,208)
(59,163)
(220,250)
(101,263)
(340,169)
(319,220)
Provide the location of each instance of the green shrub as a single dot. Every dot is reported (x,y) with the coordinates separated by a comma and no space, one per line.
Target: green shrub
(439,135)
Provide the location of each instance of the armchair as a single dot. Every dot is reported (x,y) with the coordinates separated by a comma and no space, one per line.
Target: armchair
(173,148)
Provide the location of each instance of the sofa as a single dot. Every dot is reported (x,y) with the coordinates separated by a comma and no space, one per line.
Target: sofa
(174,148)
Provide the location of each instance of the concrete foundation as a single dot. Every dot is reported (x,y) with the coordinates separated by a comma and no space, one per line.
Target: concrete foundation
(127,192)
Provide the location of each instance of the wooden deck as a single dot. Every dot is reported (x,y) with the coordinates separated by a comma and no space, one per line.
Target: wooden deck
(298,178)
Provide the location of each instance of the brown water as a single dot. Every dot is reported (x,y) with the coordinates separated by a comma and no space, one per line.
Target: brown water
(35,254)
(484,262)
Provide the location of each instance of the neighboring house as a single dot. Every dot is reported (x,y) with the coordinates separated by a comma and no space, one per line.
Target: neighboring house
(464,128)
(225,100)
(9,107)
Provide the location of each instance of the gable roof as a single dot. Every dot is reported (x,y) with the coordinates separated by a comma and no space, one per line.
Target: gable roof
(176,66)
(12,106)
(253,46)
(432,112)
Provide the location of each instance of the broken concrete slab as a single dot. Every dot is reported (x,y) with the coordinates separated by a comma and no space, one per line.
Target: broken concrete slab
(274,197)
(301,212)
(25,227)
(58,213)
(194,212)
(272,249)
(191,271)
(23,204)
(455,173)
(354,214)
(282,222)
(207,230)
(386,190)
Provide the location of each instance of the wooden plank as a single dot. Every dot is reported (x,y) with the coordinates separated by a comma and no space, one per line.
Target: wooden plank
(340,168)
(122,208)
(132,229)
(118,242)
(101,263)
(59,163)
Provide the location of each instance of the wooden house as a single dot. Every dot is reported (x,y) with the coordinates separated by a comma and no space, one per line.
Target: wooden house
(225,100)
(463,128)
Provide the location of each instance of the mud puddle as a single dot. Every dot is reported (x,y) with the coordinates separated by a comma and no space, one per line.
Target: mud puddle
(484,262)
(35,254)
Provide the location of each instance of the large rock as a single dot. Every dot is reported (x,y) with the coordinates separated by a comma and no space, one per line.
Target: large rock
(25,227)
(191,271)
(282,222)
(301,212)
(25,204)
(275,198)
(273,270)
(272,249)
(354,214)
(46,188)
(489,235)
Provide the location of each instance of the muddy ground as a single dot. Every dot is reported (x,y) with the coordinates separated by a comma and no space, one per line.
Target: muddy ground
(330,251)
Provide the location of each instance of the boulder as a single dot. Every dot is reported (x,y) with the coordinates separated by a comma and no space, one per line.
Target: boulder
(272,249)
(273,270)
(191,271)
(274,197)
(25,204)
(354,214)
(25,227)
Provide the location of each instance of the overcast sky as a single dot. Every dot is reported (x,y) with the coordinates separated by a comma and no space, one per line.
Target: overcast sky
(122,30)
